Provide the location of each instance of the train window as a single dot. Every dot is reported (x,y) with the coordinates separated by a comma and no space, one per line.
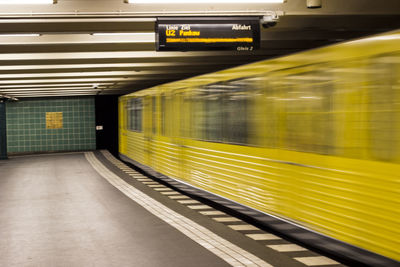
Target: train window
(220,112)
(269,123)
(185,125)
(123,113)
(307,102)
(135,108)
(167,115)
(383,90)
(129,113)
(213,114)
(235,112)
(197,114)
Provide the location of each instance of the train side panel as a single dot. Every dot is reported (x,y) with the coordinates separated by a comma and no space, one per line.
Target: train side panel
(320,147)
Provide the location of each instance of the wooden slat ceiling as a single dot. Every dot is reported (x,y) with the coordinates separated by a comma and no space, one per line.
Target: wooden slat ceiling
(67,59)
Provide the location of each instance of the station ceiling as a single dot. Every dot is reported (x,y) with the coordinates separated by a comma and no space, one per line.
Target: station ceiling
(69,54)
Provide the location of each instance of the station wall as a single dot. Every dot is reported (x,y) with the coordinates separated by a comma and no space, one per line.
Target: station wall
(48,125)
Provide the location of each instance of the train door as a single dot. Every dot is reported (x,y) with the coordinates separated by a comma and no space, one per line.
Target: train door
(167,150)
(171,138)
(122,117)
(185,100)
(182,129)
(178,140)
(149,120)
(175,124)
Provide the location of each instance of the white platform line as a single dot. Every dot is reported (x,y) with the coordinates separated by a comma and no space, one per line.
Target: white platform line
(287,248)
(243,227)
(179,197)
(189,201)
(150,183)
(224,249)
(156,185)
(213,212)
(144,180)
(316,261)
(170,193)
(263,236)
(163,189)
(199,207)
(227,219)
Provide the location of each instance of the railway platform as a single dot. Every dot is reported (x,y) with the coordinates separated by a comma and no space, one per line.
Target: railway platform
(90,209)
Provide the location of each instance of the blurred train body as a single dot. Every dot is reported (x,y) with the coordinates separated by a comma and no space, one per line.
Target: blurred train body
(313,138)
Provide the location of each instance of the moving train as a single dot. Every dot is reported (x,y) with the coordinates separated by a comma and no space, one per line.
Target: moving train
(312,138)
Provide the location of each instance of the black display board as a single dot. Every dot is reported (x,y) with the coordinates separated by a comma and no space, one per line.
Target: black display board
(219,33)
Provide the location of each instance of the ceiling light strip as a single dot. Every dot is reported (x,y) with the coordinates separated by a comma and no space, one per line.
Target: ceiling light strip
(55,85)
(100,65)
(79,74)
(65,39)
(58,95)
(77,19)
(55,92)
(61,92)
(137,34)
(47,89)
(27,2)
(110,55)
(92,80)
(19,34)
(204,1)
(89,75)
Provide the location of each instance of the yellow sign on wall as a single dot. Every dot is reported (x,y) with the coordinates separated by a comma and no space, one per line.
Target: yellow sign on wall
(54,120)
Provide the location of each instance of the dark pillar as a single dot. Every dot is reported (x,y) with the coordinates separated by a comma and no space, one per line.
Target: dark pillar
(3,133)
(107,117)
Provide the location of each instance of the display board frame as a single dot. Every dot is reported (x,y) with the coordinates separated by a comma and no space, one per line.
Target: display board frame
(207,33)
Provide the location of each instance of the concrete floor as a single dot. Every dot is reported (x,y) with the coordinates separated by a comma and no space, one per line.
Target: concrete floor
(55,210)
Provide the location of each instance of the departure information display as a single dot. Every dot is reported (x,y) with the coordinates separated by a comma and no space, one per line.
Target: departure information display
(195,34)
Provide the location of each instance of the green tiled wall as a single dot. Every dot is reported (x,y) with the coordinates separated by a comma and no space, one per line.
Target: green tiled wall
(26,125)
(3,137)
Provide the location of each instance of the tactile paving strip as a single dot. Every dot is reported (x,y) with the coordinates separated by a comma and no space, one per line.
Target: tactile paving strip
(222,248)
(271,241)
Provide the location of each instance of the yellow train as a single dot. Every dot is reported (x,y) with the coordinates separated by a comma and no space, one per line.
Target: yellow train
(312,138)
